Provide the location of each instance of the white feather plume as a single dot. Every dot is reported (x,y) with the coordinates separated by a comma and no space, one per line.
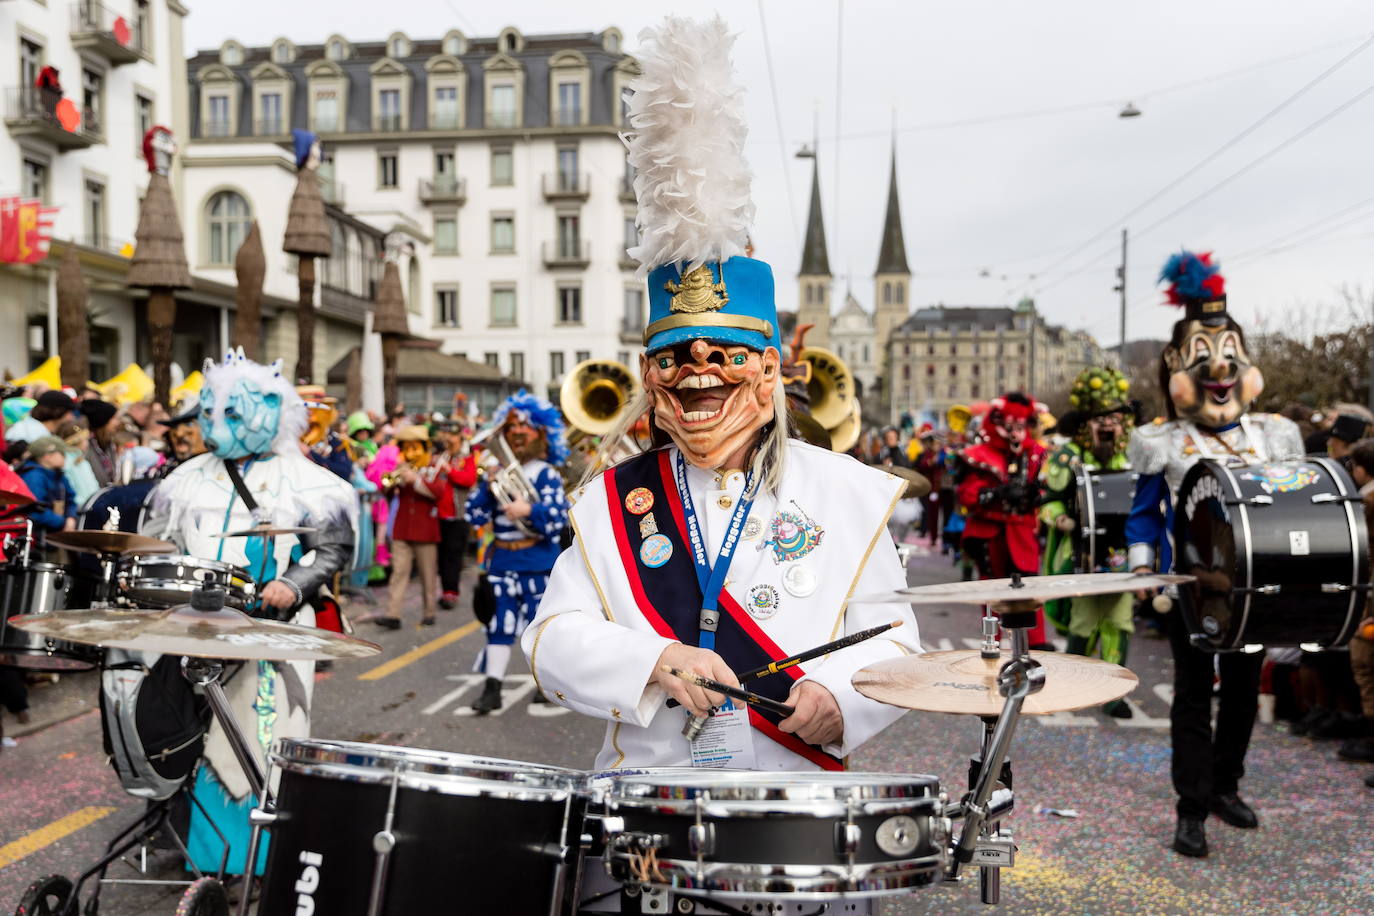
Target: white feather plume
(687,147)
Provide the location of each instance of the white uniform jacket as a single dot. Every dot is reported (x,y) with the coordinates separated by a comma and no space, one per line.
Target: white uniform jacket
(804,553)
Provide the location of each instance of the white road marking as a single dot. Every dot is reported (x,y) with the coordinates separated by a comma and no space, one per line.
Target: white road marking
(516,687)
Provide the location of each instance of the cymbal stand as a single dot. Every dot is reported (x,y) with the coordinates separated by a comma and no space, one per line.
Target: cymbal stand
(981,842)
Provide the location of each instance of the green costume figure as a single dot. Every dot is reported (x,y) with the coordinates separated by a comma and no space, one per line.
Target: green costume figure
(1099,427)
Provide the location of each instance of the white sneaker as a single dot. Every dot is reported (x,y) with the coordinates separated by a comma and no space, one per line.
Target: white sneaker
(8,742)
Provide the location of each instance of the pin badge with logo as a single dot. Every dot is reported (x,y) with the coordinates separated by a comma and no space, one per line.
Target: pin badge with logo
(753,527)
(648,526)
(793,535)
(763,602)
(800,581)
(655,551)
(639,500)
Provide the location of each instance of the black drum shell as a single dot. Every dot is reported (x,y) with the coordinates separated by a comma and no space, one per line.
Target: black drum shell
(453,853)
(38,588)
(1103,501)
(1252,536)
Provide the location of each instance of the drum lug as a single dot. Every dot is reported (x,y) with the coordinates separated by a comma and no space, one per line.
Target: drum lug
(995,851)
(258,817)
(847,838)
(701,839)
(611,827)
(1253,501)
(1334,588)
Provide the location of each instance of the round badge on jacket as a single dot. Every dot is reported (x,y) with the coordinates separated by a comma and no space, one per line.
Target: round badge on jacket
(639,500)
(799,581)
(655,551)
(763,602)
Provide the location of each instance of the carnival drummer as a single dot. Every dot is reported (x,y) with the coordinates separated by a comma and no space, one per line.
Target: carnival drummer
(728,544)
(1209,384)
(252,419)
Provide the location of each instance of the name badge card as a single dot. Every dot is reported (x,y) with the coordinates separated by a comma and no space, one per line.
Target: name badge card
(727,741)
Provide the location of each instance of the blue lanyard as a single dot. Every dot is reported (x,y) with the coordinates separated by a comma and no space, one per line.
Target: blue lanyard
(711,579)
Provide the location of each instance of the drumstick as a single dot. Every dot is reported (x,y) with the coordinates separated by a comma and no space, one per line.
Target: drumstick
(737,693)
(842,643)
(792,660)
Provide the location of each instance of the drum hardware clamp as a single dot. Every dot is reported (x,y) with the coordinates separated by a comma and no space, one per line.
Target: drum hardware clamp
(1253,501)
(383,842)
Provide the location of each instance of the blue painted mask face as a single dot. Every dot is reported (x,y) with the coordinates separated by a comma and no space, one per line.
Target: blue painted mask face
(242,423)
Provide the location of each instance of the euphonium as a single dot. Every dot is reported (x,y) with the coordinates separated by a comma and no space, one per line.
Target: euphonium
(498,464)
(594,395)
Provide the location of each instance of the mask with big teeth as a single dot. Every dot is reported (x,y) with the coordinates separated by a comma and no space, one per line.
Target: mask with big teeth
(711,399)
(1210,377)
(526,441)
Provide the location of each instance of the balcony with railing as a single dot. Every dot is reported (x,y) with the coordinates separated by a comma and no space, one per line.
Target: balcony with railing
(567,255)
(444,119)
(39,114)
(271,127)
(388,123)
(631,332)
(327,124)
(567,186)
(100,30)
(569,117)
(443,189)
(501,119)
(216,127)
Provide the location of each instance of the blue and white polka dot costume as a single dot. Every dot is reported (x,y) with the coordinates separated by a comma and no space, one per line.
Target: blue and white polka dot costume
(518,575)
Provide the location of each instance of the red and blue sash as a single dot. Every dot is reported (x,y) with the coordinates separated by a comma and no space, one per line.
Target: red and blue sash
(669,596)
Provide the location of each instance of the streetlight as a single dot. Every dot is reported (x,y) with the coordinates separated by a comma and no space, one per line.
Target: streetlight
(1130,111)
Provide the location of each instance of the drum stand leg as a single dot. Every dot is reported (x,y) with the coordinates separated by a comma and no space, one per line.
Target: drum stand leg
(205,673)
(1018,678)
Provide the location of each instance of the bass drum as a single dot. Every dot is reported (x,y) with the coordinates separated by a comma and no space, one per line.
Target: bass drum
(396,831)
(1280,552)
(1103,501)
(39,588)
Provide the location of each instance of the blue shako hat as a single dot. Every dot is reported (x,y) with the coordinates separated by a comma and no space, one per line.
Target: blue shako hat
(729,302)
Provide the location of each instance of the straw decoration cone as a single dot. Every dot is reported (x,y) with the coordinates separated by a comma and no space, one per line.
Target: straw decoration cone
(353,382)
(389,320)
(307,229)
(250,267)
(307,237)
(159,259)
(73,333)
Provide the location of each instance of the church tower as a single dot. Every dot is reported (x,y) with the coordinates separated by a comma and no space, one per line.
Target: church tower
(813,293)
(892,279)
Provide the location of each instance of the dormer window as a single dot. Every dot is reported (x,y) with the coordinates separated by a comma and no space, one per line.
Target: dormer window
(454,44)
(510,40)
(398,46)
(283,52)
(231,54)
(334,49)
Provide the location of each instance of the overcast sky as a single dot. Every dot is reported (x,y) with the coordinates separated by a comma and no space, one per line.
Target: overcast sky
(995,210)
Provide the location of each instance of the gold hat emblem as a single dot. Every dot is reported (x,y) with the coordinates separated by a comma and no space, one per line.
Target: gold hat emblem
(698,292)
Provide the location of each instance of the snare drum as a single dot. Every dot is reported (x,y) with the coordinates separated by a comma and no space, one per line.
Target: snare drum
(166,580)
(1280,552)
(39,588)
(784,837)
(425,831)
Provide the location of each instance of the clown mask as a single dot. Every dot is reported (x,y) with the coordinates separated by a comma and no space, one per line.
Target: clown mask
(1105,436)
(712,399)
(1211,379)
(415,453)
(240,422)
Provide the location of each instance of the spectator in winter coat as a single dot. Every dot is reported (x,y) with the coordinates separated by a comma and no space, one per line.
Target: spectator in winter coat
(54,508)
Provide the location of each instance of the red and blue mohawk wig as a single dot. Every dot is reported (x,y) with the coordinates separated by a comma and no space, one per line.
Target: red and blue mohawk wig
(1196,284)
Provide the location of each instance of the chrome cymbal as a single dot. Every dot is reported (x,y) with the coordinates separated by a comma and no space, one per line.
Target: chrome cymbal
(183,630)
(962,681)
(1033,589)
(264,531)
(122,542)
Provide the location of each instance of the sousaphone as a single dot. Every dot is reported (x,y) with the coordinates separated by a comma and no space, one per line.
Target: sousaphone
(595,394)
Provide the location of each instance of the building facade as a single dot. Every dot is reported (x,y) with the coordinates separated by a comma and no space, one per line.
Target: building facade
(77,146)
(942,356)
(496,161)
(852,339)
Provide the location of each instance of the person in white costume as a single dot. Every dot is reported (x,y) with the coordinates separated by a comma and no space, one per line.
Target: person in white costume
(252,419)
(730,543)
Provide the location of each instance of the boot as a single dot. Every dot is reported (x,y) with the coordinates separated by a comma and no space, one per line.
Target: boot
(1190,838)
(490,698)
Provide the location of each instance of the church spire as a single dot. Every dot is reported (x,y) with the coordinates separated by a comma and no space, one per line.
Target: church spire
(815,262)
(892,251)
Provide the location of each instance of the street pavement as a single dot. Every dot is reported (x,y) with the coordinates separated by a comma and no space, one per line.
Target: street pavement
(1314,852)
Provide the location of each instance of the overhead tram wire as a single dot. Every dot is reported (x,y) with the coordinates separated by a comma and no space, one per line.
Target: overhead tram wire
(1192,170)
(1074,108)
(1243,170)
(782,137)
(1280,240)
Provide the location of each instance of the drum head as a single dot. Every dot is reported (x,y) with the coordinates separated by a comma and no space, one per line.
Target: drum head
(1205,547)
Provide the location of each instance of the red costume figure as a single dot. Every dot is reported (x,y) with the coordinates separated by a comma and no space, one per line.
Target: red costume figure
(998,485)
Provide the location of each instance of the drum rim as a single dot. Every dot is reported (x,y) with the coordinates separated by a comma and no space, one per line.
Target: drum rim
(773,786)
(445,772)
(181,559)
(730,880)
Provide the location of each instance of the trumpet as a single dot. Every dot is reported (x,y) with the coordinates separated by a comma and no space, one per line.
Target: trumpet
(392,477)
(497,464)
